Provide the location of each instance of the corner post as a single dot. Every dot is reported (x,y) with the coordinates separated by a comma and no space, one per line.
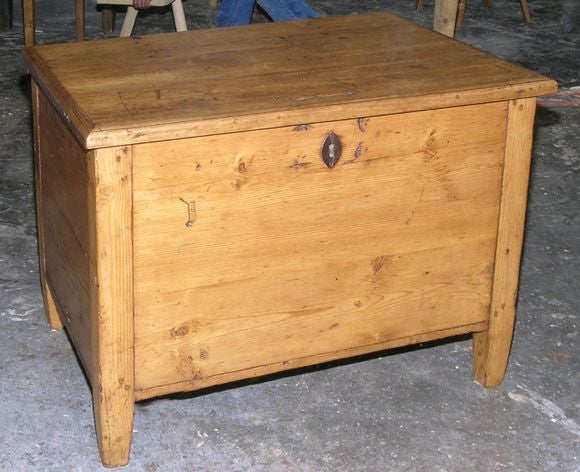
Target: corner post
(491,348)
(111,292)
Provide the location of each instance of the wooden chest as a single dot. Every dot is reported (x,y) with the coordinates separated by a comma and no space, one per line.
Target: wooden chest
(218,205)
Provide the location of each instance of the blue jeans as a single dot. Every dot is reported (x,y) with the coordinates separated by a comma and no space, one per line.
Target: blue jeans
(239,12)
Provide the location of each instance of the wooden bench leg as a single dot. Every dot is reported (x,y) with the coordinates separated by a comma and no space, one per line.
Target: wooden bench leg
(80,16)
(461,7)
(129,22)
(526,11)
(111,294)
(107,19)
(179,16)
(445,17)
(28,13)
(491,348)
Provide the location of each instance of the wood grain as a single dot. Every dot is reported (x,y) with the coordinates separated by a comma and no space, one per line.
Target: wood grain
(61,174)
(491,348)
(220,379)
(109,196)
(252,248)
(262,76)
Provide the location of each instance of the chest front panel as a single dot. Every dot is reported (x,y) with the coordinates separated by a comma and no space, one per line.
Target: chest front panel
(249,250)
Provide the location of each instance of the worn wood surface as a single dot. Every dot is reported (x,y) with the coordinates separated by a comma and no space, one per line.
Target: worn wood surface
(61,174)
(252,248)
(109,201)
(492,347)
(262,76)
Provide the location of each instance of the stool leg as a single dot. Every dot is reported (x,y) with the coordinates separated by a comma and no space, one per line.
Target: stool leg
(445,16)
(461,7)
(179,15)
(420,5)
(80,14)
(28,14)
(526,10)
(107,20)
(129,22)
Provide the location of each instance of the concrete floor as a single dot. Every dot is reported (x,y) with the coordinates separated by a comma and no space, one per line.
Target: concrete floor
(408,410)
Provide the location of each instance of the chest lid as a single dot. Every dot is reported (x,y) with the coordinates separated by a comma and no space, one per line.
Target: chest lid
(132,90)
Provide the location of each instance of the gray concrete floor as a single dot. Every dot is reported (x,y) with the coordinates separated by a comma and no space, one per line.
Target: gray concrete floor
(408,410)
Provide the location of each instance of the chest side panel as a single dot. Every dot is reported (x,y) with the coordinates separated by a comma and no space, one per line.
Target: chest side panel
(63,215)
(249,250)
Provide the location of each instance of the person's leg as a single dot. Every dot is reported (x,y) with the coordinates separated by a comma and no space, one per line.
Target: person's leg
(235,12)
(285,10)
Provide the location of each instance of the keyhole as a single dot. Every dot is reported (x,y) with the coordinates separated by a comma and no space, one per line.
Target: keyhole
(331,150)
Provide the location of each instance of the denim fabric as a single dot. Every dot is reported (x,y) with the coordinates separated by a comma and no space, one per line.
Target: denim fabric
(239,12)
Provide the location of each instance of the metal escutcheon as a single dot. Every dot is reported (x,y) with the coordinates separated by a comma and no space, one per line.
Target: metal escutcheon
(331,150)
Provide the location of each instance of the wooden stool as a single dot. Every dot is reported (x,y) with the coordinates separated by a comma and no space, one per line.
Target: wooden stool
(129,22)
(462,5)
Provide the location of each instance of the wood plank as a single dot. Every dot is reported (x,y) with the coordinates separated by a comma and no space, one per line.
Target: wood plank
(63,231)
(220,379)
(491,348)
(109,195)
(261,76)
(250,245)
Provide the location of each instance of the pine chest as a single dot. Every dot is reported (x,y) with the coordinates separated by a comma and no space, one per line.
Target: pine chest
(223,204)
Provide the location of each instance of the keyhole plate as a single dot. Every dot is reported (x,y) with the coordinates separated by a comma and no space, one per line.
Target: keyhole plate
(331,150)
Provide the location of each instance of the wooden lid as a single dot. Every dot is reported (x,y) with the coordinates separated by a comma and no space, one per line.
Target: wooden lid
(132,90)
